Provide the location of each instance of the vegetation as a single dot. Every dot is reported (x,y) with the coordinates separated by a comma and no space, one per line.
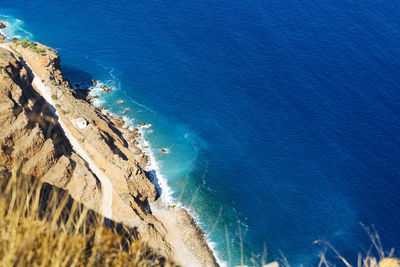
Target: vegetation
(376,256)
(65,112)
(42,226)
(379,258)
(32,45)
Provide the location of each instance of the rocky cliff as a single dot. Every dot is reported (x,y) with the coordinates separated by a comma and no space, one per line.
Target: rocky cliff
(73,145)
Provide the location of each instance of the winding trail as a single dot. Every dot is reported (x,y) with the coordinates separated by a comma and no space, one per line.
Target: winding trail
(106,185)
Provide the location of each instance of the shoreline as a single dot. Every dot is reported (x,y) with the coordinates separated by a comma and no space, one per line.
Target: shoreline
(166,197)
(165,200)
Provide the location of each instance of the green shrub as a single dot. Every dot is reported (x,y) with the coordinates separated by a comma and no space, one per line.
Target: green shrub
(25,43)
(54,97)
(58,105)
(34,46)
(15,40)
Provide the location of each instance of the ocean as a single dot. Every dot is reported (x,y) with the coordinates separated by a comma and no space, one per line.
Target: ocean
(281,118)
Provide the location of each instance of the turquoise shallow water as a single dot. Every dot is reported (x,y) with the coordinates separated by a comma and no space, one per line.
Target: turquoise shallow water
(281,118)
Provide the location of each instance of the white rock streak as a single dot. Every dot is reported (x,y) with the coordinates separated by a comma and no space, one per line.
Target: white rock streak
(106,203)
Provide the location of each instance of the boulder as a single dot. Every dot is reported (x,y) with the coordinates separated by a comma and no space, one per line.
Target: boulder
(2,25)
(81,123)
(106,89)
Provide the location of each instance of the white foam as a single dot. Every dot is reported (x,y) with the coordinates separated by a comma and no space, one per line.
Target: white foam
(167,195)
(14,28)
(167,192)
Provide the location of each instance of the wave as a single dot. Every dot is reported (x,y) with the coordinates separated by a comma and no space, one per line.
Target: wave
(14,28)
(153,167)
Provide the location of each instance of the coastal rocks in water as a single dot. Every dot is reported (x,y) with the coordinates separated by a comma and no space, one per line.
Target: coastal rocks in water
(120,101)
(39,141)
(2,25)
(106,89)
(164,150)
(91,97)
(119,121)
(94,82)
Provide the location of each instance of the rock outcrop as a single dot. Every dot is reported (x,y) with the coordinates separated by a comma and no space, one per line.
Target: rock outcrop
(31,137)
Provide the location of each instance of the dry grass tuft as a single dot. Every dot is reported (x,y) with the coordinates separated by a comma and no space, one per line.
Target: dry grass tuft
(41,225)
(370,259)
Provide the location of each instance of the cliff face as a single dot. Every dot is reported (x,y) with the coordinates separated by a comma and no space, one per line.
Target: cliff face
(31,136)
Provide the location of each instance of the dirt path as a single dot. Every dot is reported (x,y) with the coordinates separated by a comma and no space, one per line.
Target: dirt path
(106,186)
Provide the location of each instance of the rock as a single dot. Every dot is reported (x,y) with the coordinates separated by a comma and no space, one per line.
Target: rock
(127,109)
(163,150)
(94,82)
(2,25)
(106,89)
(81,123)
(49,156)
(120,101)
(271,264)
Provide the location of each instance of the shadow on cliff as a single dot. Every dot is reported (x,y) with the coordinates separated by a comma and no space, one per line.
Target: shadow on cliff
(81,81)
(56,205)
(42,225)
(152,175)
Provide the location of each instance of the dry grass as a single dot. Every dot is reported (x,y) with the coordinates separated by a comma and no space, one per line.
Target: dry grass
(374,257)
(42,226)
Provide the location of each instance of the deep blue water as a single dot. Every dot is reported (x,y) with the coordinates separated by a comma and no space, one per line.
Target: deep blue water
(282,117)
